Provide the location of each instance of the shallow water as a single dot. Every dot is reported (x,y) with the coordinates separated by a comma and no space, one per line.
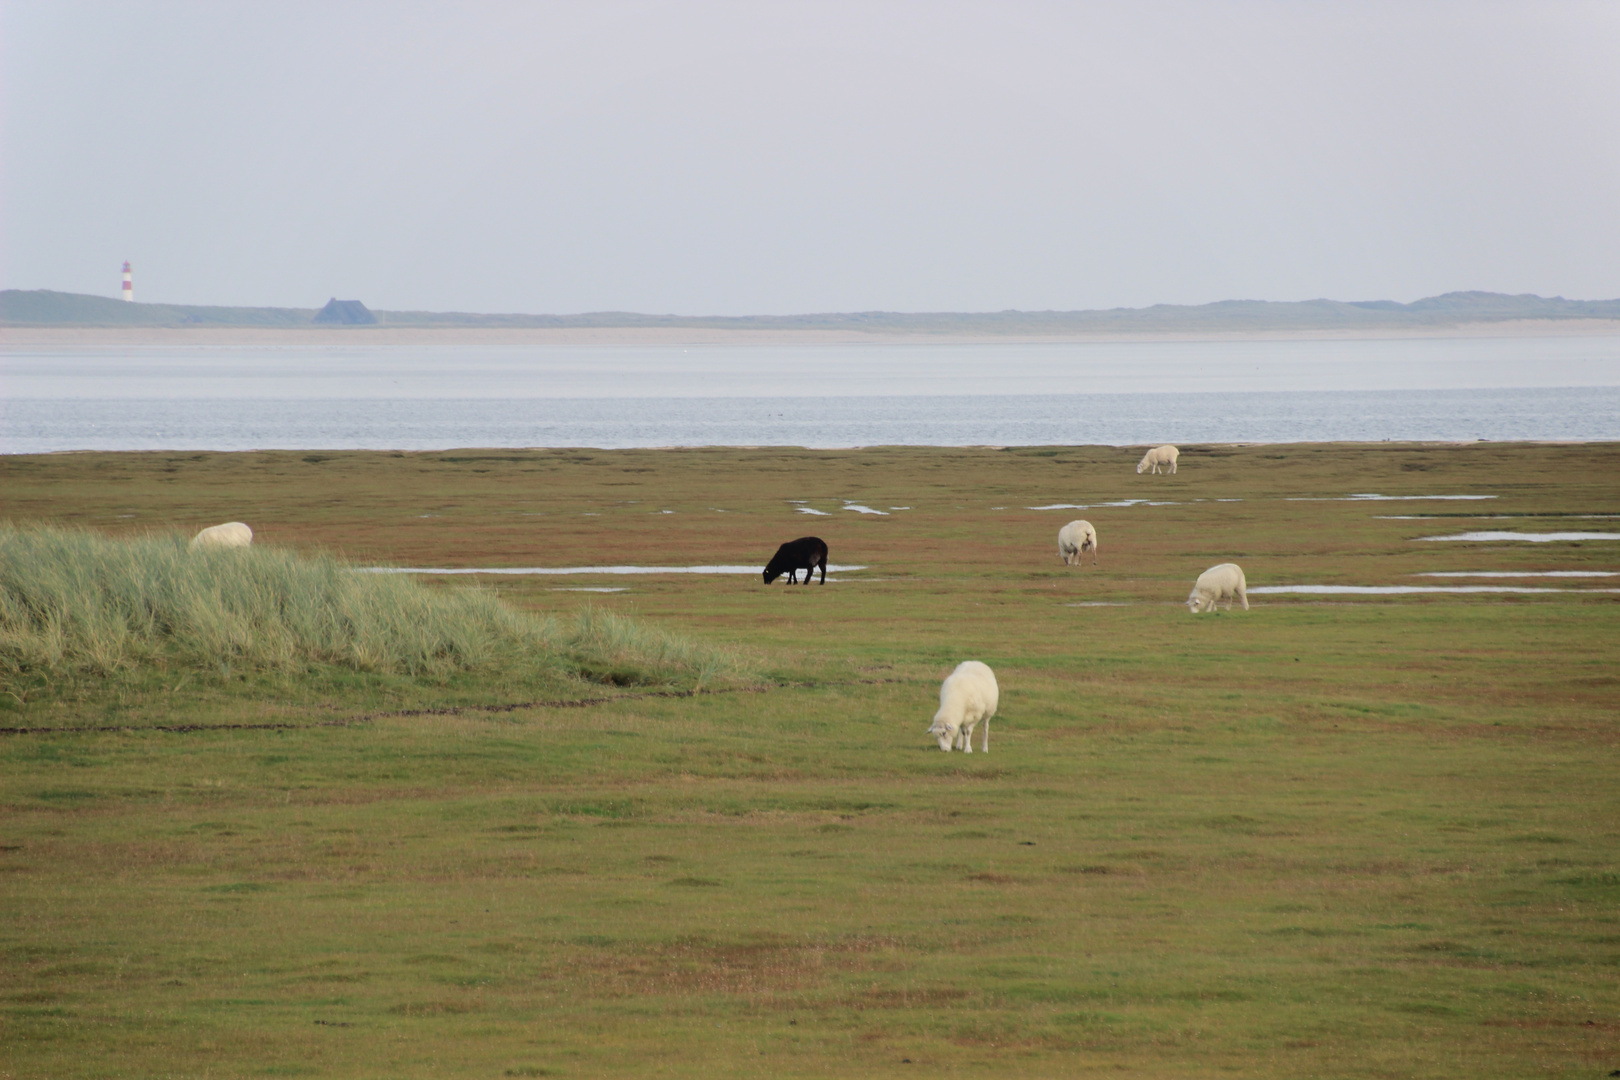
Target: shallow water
(1013,393)
(31,425)
(1531,538)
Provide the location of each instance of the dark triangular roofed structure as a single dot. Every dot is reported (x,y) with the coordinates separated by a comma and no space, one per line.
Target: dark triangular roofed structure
(345,313)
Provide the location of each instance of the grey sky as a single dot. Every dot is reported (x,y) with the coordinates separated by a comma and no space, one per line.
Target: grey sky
(737,158)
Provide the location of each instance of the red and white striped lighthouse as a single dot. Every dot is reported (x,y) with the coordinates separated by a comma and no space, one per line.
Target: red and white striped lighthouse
(129,282)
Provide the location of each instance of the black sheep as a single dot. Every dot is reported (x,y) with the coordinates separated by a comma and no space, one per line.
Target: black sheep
(805,553)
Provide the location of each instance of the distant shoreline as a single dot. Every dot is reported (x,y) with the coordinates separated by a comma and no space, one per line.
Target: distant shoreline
(71,337)
(25,314)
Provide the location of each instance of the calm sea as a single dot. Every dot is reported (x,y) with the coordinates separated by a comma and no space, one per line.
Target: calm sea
(433,397)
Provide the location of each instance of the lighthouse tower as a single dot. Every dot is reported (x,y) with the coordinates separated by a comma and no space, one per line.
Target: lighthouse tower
(129,282)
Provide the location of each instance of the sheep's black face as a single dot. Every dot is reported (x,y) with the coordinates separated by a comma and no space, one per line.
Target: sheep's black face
(770,577)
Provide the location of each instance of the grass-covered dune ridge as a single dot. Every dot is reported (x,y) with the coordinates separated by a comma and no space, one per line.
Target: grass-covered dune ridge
(73,601)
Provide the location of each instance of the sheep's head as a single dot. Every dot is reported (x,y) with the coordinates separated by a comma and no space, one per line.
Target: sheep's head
(771,575)
(1195,602)
(944,732)
(1141,465)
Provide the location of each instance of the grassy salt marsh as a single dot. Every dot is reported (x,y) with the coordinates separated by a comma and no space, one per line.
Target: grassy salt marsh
(1365,835)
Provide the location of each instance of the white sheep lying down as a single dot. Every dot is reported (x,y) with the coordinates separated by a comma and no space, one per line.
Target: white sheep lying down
(232,534)
(1165,455)
(1073,540)
(968,694)
(1223,582)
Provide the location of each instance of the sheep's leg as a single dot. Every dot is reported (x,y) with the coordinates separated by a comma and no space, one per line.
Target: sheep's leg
(1243,596)
(987,734)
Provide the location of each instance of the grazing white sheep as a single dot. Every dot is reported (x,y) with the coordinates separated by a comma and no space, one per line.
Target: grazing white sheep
(1160,455)
(1073,540)
(1217,583)
(232,534)
(968,695)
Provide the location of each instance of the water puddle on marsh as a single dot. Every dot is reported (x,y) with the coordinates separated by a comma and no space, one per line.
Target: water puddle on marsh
(1375,497)
(1521,573)
(1488,536)
(1093,506)
(521,570)
(1401,590)
(849,504)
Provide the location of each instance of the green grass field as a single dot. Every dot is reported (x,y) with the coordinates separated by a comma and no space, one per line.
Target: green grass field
(1330,836)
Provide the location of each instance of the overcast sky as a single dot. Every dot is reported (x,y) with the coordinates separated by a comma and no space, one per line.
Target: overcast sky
(774,157)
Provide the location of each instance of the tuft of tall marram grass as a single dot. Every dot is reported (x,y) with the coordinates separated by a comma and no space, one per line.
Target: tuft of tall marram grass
(610,647)
(77,601)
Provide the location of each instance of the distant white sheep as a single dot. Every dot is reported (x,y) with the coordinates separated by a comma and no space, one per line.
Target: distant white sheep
(1223,582)
(968,695)
(1165,455)
(1073,541)
(232,534)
